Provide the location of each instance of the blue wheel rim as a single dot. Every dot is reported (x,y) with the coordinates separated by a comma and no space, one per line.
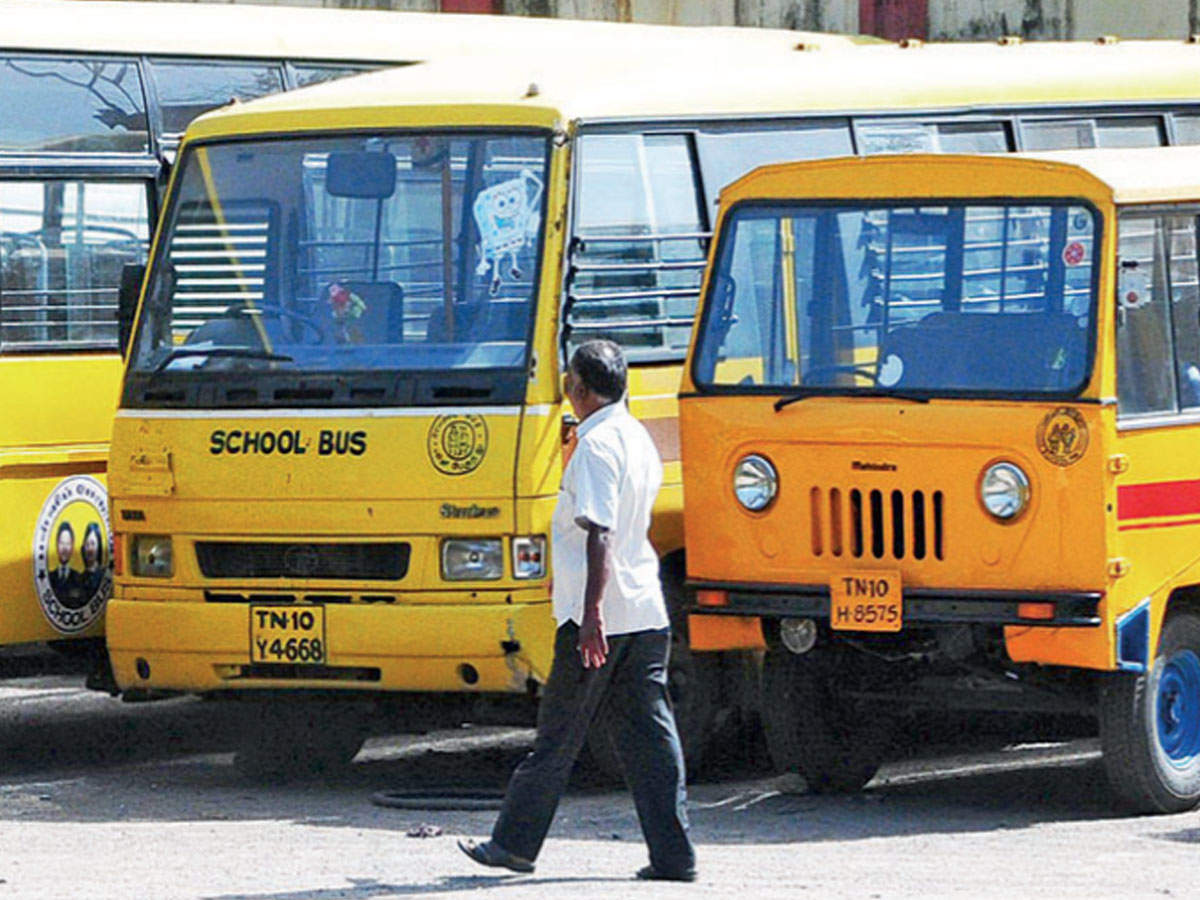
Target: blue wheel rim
(1177,707)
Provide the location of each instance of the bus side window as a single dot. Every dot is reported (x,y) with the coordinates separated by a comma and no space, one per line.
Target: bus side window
(188,88)
(83,105)
(1185,307)
(1145,376)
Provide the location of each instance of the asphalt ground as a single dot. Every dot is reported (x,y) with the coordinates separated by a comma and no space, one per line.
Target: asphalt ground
(100,798)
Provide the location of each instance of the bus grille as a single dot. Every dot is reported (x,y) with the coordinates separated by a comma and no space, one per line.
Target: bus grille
(364,562)
(877,524)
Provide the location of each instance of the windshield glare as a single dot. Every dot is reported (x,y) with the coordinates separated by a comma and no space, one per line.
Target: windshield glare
(394,252)
(985,297)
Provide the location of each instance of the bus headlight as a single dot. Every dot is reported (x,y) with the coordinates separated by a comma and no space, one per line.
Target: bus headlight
(152,556)
(472,560)
(755,482)
(1004,490)
(529,557)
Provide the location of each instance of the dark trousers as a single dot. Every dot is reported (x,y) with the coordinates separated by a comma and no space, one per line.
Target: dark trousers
(634,680)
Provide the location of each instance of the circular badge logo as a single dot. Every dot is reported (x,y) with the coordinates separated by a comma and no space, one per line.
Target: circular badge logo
(1062,436)
(457,444)
(72,554)
(1074,253)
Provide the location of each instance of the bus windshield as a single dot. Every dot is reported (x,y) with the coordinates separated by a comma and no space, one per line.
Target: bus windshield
(984,298)
(331,256)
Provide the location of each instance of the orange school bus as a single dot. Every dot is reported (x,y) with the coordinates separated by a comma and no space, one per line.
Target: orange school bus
(936,422)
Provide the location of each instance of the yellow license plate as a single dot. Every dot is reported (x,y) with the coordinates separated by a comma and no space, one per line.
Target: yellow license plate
(866,601)
(287,634)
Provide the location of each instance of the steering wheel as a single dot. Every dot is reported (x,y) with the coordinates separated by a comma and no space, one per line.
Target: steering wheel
(284,313)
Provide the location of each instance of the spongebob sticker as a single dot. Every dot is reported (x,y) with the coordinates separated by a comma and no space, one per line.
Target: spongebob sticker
(507,217)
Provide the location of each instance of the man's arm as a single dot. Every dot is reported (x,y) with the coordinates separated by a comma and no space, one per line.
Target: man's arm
(593,645)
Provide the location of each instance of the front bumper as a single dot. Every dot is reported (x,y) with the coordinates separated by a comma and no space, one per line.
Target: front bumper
(203,647)
(922,606)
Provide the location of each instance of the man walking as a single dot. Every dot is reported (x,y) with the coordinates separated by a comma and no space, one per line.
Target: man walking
(613,635)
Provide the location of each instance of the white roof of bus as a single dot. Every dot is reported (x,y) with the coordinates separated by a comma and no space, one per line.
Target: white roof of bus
(596,83)
(1141,175)
(223,30)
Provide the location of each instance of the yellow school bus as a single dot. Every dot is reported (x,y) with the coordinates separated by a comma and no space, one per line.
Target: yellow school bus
(95,99)
(335,473)
(935,425)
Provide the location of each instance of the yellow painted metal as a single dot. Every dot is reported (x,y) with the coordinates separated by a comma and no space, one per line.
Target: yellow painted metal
(397,493)
(1072,534)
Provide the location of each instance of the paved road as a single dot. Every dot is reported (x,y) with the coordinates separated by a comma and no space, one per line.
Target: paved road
(103,799)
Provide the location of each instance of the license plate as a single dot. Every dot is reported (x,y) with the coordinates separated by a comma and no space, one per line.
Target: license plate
(287,634)
(866,601)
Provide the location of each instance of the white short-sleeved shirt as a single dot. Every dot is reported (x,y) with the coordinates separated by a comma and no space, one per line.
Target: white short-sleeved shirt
(611,480)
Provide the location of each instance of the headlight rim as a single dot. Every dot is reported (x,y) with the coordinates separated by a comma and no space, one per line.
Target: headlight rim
(496,544)
(773,481)
(1024,483)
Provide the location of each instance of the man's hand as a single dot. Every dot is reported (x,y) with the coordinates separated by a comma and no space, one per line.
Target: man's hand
(593,645)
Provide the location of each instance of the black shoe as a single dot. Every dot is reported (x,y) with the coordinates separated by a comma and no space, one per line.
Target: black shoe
(649,873)
(489,853)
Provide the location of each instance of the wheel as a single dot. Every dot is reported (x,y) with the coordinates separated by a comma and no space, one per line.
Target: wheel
(836,745)
(286,739)
(694,683)
(1150,725)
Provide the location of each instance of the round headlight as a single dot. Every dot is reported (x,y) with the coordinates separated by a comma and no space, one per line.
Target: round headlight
(1004,490)
(755,482)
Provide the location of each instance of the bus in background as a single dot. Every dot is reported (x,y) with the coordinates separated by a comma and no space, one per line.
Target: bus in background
(936,427)
(338,477)
(96,96)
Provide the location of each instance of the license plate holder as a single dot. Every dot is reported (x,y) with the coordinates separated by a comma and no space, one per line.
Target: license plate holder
(288,634)
(866,601)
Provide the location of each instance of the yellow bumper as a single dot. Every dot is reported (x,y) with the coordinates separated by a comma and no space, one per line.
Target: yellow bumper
(201,647)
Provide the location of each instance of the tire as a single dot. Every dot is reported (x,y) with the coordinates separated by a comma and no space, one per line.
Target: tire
(694,683)
(836,746)
(1150,725)
(284,739)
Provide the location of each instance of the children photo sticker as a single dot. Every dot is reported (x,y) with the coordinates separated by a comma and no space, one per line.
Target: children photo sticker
(72,554)
(506,215)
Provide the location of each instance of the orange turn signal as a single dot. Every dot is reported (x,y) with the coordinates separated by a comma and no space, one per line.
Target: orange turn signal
(1035,610)
(118,554)
(712,598)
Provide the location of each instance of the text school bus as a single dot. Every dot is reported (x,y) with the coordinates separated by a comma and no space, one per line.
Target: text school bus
(95,99)
(336,472)
(936,423)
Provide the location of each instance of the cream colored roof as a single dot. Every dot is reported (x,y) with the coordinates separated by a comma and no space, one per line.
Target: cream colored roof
(1142,175)
(327,34)
(598,83)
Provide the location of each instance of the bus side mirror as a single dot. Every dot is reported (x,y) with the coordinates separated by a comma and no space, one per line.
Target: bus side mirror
(132,275)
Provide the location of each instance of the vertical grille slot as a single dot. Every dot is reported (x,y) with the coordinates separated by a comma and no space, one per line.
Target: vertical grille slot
(835,522)
(879,524)
(856,523)
(938,538)
(816,529)
(897,524)
(878,539)
(918,525)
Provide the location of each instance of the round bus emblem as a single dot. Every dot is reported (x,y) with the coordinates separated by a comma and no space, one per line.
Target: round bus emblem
(457,444)
(72,554)
(1074,253)
(1062,436)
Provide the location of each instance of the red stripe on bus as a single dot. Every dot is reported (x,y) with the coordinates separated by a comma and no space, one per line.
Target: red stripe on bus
(1157,499)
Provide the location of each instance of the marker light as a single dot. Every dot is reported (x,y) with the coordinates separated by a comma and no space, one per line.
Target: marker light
(529,557)
(755,482)
(1004,490)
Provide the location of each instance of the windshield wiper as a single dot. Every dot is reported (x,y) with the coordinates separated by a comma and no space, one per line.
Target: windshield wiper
(226,352)
(897,395)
